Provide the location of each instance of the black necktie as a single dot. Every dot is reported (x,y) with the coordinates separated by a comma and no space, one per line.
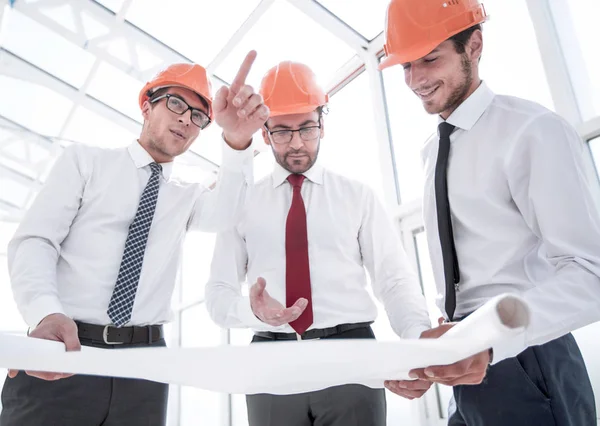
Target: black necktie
(121,302)
(451,271)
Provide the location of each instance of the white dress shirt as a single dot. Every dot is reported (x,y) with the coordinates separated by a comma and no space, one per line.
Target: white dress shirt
(66,253)
(522,212)
(348,230)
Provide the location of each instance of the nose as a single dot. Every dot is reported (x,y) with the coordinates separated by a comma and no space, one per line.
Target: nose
(296,143)
(415,76)
(186,117)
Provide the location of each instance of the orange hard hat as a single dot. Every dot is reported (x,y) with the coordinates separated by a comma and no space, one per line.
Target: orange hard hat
(189,76)
(291,88)
(415,27)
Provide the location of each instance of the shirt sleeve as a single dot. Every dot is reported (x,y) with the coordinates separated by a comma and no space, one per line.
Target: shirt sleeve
(34,249)
(547,178)
(218,209)
(394,282)
(223,293)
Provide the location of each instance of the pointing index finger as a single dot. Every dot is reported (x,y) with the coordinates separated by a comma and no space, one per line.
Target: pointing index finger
(240,78)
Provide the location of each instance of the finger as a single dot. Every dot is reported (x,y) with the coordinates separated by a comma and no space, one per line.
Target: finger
(13,373)
(393,387)
(440,320)
(253,102)
(469,379)
(69,337)
(448,371)
(261,113)
(301,303)
(240,78)
(418,373)
(413,384)
(49,376)
(258,288)
(220,102)
(434,333)
(242,97)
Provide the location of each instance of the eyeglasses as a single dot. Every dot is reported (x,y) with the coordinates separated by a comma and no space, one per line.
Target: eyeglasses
(179,106)
(307,134)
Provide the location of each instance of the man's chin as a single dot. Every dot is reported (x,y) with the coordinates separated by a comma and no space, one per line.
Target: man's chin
(432,108)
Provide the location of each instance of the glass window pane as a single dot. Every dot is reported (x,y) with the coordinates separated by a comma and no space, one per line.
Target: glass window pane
(190,27)
(46,49)
(594,145)
(350,144)
(508,71)
(198,330)
(365,17)
(90,128)
(33,106)
(577,26)
(117,89)
(114,5)
(276,36)
(14,191)
(10,318)
(410,126)
(239,412)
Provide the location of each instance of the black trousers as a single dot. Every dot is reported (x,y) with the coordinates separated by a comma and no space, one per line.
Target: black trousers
(348,405)
(82,400)
(546,385)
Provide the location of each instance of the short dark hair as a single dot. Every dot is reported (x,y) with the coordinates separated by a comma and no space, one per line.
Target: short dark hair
(461,39)
(155,94)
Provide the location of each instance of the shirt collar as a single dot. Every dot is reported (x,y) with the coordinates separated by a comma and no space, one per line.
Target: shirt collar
(472,108)
(141,158)
(280,175)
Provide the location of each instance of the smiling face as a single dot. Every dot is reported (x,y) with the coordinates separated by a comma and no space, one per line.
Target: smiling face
(445,77)
(165,134)
(298,155)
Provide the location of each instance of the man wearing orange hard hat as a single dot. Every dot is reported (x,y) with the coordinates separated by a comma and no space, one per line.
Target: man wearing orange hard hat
(507,209)
(95,258)
(306,236)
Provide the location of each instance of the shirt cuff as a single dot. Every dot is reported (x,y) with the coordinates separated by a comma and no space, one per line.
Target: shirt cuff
(246,316)
(509,348)
(237,160)
(40,308)
(415,331)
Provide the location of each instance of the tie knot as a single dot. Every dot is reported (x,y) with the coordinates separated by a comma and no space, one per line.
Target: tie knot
(156,168)
(296,180)
(445,129)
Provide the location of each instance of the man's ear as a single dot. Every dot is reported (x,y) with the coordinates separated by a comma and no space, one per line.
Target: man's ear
(146,107)
(265,136)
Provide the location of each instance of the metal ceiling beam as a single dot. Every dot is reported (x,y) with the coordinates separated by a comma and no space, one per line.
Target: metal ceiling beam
(256,14)
(333,24)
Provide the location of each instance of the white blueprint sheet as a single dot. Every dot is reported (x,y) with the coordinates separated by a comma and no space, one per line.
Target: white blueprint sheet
(279,368)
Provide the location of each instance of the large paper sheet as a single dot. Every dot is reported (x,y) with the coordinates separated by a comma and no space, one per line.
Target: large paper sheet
(278,368)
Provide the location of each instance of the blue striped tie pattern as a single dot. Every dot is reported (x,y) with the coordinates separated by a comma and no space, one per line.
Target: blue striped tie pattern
(121,302)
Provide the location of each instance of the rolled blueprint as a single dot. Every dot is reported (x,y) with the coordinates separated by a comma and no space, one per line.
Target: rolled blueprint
(278,367)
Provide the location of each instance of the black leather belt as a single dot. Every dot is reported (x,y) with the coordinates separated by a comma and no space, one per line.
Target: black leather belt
(110,335)
(316,333)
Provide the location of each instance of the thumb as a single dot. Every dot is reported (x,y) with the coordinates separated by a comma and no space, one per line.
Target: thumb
(220,102)
(440,320)
(70,338)
(13,373)
(258,288)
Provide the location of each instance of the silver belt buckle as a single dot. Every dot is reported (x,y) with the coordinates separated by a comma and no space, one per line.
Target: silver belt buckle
(105,337)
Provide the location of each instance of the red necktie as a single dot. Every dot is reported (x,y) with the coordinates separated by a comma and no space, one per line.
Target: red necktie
(297,277)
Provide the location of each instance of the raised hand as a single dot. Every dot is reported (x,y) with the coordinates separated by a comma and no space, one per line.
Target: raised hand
(239,111)
(269,310)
